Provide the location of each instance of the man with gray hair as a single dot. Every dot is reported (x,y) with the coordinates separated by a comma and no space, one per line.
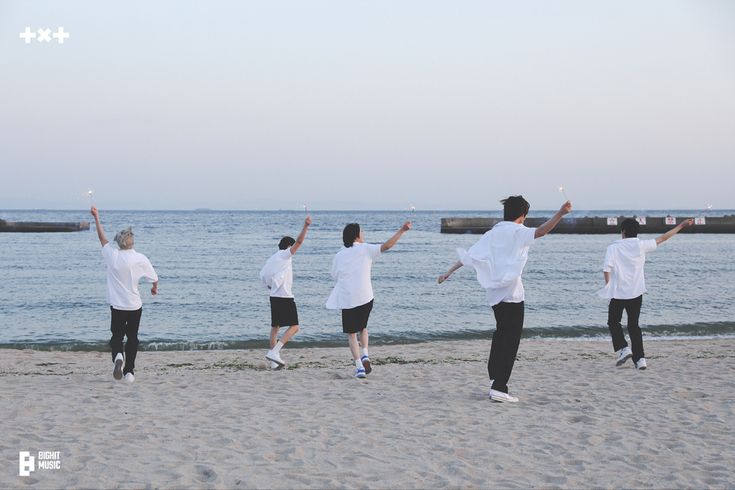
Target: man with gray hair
(125,268)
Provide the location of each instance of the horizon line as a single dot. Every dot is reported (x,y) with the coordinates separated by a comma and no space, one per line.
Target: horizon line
(388,210)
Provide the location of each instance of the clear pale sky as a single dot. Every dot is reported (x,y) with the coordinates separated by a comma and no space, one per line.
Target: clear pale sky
(368,104)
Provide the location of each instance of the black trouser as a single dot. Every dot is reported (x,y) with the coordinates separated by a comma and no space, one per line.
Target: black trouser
(632,309)
(125,323)
(507,336)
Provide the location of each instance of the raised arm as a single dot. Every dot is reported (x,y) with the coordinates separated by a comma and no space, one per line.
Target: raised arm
(100,231)
(451,271)
(684,224)
(554,220)
(300,239)
(394,239)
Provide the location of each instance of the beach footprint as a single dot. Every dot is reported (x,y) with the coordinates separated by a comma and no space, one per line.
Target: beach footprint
(687,394)
(205,474)
(581,419)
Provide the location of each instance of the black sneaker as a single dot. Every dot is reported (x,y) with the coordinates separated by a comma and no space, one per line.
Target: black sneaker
(366,364)
(117,372)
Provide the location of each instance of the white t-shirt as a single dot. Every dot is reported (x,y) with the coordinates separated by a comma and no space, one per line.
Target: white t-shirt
(498,258)
(351,269)
(624,261)
(125,268)
(277,274)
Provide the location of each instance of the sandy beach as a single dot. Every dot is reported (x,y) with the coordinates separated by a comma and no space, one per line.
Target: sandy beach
(422,419)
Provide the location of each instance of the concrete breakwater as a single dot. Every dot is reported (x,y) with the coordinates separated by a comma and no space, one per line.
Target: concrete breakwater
(594,225)
(41,227)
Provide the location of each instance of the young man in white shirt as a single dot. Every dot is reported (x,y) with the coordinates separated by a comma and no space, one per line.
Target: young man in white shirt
(125,269)
(625,284)
(277,277)
(353,292)
(498,258)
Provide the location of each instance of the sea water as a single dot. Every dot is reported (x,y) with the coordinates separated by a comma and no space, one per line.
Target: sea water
(53,289)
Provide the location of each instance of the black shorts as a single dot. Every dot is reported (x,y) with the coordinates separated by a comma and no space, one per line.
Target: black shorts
(356,319)
(283,312)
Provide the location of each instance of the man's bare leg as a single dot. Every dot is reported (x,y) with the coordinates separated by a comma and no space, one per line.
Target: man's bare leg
(355,350)
(292,330)
(274,336)
(272,355)
(365,358)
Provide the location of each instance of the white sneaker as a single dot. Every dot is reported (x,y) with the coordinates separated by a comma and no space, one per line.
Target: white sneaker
(274,366)
(623,355)
(275,357)
(360,373)
(499,396)
(117,371)
(641,364)
(129,378)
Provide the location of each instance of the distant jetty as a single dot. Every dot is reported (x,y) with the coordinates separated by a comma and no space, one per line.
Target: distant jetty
(41,227)
(595,225)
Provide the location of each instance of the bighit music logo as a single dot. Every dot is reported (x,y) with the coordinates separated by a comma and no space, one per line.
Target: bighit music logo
(44,460)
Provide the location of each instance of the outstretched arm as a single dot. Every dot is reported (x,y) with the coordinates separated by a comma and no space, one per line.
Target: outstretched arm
(300,239)
(394,239)
(554,220)
(684,224)
(100,231)
(451,271)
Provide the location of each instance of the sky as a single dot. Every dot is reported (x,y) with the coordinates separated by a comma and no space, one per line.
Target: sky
(356,104)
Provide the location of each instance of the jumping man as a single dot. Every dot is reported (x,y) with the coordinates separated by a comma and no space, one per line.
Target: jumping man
(277,277)
(625,285)
(125,269)
(498,259)
(353,292)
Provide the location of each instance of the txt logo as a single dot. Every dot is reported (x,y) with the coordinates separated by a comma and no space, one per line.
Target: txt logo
(26,463)
(44,35)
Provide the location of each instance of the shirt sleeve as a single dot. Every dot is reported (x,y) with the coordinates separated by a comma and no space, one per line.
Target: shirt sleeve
(333,271)
(528,236)
(465,258)
(648,245)
(608,263)
(373,250)
(147,271)
(108,253)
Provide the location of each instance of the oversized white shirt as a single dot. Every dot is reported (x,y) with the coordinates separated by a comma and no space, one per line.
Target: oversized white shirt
(351,268)
(498,258)
(125,269)
(277,274)
(624,260)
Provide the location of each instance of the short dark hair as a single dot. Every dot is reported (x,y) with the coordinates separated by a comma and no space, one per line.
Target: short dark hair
(514,207)
(350,234)
(285,242)
(630,227)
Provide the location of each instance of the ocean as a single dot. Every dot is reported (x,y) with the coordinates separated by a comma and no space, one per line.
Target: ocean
(53,292)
